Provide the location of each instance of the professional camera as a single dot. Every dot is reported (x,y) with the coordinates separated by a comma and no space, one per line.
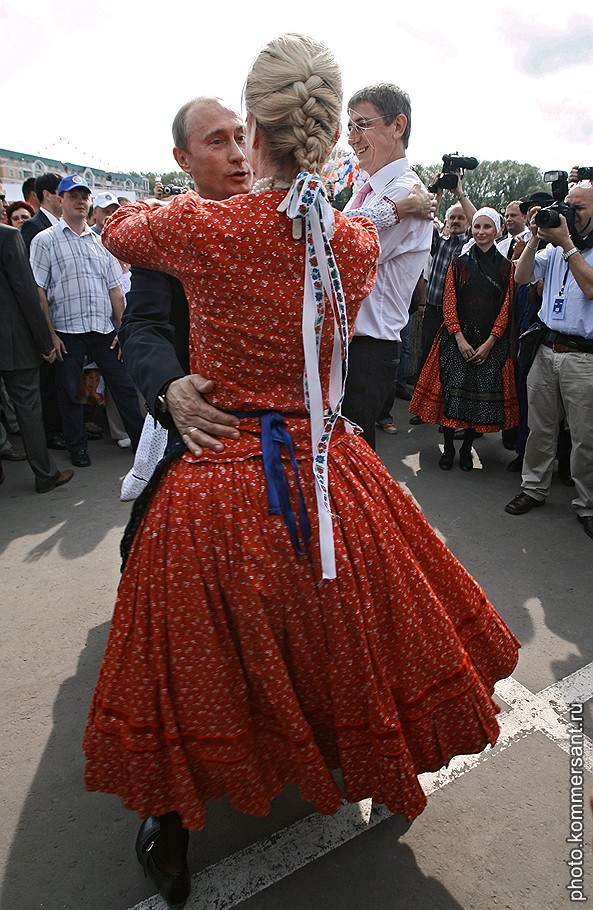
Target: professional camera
(170,190)
(585,173)
(550,216)
(452,164)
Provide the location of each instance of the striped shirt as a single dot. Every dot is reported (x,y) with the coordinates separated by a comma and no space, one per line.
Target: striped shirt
(77,273)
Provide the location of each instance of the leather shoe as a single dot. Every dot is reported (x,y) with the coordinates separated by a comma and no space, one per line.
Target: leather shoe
(56,442)
(174,887)
(516,465)
(446,461)
(466,462)
(523,503)
(416,420)
(12,455)
(80,459)
(45,486)
(404,395)
(587,523)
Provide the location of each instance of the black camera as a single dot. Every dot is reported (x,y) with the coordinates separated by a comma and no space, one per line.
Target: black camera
(170,190)
(585,173)
(550,216)
(452,164)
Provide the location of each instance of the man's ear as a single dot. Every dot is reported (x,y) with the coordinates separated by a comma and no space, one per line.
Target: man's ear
(399,124)
(180,156)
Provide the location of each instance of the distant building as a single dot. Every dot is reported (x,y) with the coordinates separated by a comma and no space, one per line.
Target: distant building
(16,167)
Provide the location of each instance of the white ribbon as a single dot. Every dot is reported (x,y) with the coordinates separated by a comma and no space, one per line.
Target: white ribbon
(307,200)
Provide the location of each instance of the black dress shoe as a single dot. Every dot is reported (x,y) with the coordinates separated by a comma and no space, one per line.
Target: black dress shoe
(46,486)
(56,442)
(466,462)
(403,394)
(564,475)
(174,887)
(415,420)
(12,455)
(523,503)
(587,523)
(516,465)
(80,459)
(446,461)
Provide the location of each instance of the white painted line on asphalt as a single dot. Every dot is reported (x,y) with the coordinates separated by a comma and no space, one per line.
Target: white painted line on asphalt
(236,878)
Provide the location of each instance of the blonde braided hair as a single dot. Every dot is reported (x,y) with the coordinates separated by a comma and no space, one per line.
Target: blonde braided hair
(294,92)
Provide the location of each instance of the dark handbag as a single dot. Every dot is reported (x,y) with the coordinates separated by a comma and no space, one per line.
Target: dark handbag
(529,342)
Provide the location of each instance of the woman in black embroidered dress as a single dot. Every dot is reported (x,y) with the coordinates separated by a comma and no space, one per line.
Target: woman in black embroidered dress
(468,380)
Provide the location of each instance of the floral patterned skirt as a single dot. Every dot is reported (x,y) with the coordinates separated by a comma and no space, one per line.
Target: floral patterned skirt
(232,669)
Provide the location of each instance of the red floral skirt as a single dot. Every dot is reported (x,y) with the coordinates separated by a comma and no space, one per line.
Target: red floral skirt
(232,669)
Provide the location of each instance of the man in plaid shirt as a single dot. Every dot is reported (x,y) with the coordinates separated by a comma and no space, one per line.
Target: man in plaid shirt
(80,288)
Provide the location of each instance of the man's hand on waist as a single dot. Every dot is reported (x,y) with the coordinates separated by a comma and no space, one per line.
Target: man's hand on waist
(200,424)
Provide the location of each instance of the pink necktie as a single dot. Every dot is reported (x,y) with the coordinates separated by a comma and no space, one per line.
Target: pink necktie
(361,195)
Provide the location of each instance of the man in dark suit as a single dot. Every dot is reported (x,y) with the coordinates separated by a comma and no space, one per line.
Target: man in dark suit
(24,340)
(50,211)
(155,328)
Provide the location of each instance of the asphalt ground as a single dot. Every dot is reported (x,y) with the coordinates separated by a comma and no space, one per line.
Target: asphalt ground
(494,834)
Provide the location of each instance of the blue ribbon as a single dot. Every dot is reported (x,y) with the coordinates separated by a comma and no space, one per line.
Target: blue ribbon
(274,434)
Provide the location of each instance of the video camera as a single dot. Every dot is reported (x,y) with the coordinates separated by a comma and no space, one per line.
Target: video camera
(550,216)
(452,165)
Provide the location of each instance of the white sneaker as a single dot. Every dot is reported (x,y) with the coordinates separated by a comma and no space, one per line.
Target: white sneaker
(124,443)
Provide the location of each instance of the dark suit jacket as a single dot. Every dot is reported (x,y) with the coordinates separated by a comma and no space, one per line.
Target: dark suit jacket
(32,227)
(24,333)
(154,334)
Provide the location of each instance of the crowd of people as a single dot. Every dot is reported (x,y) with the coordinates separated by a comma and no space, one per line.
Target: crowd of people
(255,642)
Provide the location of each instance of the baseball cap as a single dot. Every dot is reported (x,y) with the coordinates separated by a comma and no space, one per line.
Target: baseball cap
(71,183)
(103,200)
(538,198)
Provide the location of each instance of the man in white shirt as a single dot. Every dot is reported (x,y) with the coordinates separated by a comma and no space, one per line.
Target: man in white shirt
(80,288)
(379,129)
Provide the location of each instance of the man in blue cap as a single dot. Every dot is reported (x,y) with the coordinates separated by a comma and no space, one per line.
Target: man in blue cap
(80,288)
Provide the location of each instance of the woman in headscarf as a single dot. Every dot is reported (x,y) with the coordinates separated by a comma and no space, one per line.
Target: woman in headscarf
(285,608)
(468,379)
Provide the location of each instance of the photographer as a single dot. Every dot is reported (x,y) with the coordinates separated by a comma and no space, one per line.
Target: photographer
(560,382)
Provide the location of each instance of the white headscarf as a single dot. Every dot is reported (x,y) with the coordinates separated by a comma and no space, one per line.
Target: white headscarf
(489,213)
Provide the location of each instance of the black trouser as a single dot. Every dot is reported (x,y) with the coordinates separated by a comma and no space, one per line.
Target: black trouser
(372,372)
(23,388)
(431,323)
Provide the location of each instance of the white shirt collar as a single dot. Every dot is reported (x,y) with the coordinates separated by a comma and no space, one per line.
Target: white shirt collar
(64,224)
(49,215)
(387,174)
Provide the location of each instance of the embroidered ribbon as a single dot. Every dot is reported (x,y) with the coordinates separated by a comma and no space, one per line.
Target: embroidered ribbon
(274,434)
(306,200)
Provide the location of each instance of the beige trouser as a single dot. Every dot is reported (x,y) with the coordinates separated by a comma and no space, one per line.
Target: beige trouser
(558,386)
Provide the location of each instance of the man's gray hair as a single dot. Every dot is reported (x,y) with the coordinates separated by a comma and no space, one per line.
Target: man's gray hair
(390,100)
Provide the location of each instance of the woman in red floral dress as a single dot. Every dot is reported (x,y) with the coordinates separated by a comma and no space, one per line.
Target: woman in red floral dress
(251,648)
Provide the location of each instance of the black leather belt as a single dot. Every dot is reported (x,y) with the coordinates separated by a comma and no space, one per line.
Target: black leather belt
(566,343)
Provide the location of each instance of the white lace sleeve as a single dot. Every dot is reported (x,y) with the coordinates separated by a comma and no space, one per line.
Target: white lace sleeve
(383,213)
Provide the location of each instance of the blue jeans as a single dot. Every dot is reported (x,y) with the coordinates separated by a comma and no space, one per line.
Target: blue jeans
(97,347)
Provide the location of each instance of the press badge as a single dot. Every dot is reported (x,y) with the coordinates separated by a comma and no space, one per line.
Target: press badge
(558,307)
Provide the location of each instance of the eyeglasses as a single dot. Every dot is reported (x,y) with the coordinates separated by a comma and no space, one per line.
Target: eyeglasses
(361,126)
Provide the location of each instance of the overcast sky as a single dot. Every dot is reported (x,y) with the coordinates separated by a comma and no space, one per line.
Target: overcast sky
(99,82)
